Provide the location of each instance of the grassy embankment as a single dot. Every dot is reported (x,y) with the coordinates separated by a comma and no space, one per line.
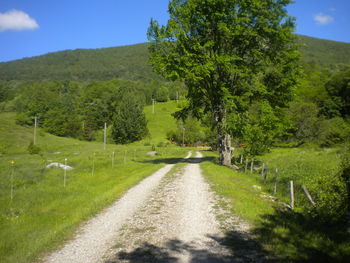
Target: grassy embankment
(43,213)
(285,235)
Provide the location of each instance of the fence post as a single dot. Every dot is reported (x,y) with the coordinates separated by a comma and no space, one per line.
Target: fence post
(262,171)
(113,159)
(246,165)
(93,164)
(12,174)
(308,195)
(275,182)
(291,195)
(65,172)
(251,166)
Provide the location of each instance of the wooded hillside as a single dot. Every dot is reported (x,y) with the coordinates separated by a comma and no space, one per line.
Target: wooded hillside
(130,62)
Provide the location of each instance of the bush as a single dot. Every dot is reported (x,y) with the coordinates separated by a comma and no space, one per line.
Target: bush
(33,149)
(329,194)
(23,119)
(333,131)
(161,144)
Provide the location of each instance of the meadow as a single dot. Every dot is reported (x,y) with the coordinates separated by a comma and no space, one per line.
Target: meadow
(46,209)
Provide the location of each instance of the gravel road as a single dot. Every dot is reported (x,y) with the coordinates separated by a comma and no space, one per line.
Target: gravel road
(169,217)
(98,234)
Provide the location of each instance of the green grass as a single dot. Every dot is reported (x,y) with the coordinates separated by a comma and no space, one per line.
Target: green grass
(43,213)
(161,121)
(285,235)
(247,200)
(302,165)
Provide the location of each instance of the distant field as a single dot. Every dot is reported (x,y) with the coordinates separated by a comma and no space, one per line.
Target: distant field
(43,213)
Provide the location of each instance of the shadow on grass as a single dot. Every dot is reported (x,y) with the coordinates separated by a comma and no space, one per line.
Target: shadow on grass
(294,237)
(239,249)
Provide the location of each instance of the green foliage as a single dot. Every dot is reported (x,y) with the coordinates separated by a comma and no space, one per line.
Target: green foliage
(333,132)
(189,132)
(307,125)
(129,122)
(260,128)
(126,62)
(338,88)
(24,119)
(345,174)
(304,121)
(33,149)
(225,61)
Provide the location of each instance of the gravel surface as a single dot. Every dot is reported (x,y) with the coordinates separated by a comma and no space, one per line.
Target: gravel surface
(169,217)
(183,222)
(99,234)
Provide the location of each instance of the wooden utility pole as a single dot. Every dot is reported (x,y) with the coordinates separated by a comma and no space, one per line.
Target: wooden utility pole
(113,159)
(35,126)
(291,195)
(275,182)
(105,137)
(183,136)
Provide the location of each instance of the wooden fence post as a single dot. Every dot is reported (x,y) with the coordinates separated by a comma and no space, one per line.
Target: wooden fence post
(291,195)
(275,182)
(308,195)
(262,171)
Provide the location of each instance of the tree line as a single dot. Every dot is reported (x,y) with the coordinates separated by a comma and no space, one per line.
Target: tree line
(80,110)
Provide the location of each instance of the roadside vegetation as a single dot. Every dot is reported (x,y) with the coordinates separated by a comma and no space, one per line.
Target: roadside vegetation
(305,234)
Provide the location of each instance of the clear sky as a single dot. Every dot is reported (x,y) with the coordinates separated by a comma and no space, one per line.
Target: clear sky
(34,27)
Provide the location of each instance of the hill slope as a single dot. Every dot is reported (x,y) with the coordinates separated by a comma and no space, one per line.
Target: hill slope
(126,62)
(324,52)
(130,62)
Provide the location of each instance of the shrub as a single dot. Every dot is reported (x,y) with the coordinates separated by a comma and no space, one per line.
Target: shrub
(329,194)
(333,131)
(33,149)
(23,119)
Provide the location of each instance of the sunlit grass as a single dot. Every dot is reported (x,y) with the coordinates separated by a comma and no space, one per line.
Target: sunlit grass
(44,213)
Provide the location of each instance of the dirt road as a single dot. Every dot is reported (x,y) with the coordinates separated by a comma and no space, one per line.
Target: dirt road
(168,217)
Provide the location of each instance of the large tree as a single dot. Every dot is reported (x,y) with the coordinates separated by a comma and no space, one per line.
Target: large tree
(229,53)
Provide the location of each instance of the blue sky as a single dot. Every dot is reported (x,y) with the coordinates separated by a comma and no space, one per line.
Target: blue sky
(34,27)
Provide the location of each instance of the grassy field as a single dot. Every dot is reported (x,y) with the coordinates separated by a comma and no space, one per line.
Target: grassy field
(43,213)
(161,121)
(287,236)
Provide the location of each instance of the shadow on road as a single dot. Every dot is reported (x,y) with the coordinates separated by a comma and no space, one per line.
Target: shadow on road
(179,160)
(241,247)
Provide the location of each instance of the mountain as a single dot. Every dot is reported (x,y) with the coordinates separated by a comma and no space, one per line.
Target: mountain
(324,52)
(125,62)
(130,62)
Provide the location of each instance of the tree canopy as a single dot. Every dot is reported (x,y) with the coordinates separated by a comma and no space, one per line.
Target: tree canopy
(229,53)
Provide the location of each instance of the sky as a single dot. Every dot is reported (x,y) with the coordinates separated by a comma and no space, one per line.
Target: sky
(35,27)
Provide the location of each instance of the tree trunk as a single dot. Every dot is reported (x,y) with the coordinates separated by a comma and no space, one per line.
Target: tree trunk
(225,149)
